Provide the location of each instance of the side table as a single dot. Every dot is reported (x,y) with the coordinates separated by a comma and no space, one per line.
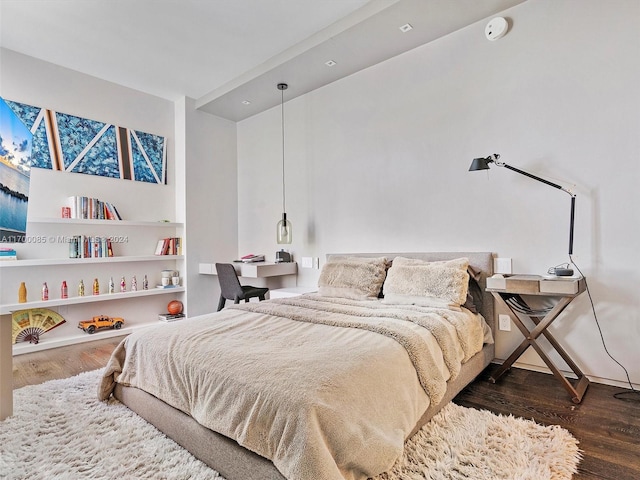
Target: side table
(509,292)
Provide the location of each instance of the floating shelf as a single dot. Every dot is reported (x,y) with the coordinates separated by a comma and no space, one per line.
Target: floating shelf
(80,337)
(89,221)
(105,297)
(39,262)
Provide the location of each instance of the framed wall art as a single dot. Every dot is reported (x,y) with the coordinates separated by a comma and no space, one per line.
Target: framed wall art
(74,144)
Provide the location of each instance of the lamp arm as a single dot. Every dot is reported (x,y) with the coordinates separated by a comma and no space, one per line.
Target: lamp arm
(530,175)
(554,185)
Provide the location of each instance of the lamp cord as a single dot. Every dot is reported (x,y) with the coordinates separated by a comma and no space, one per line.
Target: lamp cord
(619,395)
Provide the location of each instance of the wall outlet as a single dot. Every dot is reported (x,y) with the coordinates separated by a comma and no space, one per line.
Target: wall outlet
(307,262)
(504,323)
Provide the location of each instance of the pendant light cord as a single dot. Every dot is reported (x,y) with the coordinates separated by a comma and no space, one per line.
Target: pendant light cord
(282,117)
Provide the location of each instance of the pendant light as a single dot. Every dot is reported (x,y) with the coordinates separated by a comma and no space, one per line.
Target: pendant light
(284,230)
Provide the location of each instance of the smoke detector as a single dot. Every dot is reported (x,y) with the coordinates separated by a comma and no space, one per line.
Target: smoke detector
(496,28)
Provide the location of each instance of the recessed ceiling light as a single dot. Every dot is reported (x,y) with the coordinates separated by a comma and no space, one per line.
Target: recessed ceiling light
(246,102)
(330,63)
(406,27)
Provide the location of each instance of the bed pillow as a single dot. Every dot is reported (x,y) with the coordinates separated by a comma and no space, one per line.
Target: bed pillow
(442,284)
(475,300)
(358,278)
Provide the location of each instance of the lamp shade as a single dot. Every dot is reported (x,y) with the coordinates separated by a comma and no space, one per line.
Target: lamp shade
(284,230)
(480,164)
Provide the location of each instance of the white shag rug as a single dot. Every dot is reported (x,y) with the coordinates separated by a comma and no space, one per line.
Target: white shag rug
(60,430)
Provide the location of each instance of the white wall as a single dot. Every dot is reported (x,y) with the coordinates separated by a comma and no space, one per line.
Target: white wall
(378,162)
(210,198)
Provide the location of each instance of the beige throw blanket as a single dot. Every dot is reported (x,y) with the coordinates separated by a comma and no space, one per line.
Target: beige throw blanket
(329,393)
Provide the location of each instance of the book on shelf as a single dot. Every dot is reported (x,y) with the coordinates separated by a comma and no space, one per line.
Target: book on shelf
(170,317)
(169,246)
(8,254)
(91,208)
(83,246)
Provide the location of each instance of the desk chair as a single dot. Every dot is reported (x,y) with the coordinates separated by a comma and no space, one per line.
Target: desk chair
(230,288)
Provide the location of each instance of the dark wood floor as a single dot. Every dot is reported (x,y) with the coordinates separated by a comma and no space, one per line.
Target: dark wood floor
(608,429)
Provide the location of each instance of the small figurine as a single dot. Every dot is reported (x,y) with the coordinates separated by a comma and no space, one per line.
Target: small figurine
(112,287)
(45,291)
(81,289)
(96,287)
(145,283)
(123,285)
(64,292)
(134,284)
(22,293)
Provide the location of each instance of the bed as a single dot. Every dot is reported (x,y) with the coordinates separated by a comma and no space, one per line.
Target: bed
(326,385)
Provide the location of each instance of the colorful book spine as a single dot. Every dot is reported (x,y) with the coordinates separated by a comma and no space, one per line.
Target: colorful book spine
(91,208)
(82,246)
(169,246)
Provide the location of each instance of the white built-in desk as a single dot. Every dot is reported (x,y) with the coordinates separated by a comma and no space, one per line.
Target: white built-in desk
(255,269)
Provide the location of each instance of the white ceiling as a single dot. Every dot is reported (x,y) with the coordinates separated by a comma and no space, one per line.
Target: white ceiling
(224,52)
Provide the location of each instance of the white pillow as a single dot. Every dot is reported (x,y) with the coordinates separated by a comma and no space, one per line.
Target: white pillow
(413,281)
(358,278)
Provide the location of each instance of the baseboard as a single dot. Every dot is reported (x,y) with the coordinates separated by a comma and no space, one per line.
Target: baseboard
(569,374)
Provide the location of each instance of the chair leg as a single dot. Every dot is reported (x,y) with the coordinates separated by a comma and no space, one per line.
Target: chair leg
(260,298)
(221,302)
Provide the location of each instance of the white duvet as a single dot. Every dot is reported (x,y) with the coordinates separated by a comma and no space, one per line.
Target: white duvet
(325,388)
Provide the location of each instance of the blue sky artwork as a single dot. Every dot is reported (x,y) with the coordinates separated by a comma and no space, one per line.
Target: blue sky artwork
(15,157)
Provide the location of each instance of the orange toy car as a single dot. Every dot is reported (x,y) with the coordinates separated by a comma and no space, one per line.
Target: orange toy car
(101,321)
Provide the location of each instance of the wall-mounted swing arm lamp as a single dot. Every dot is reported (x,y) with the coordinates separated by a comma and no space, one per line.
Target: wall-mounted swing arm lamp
(483,164)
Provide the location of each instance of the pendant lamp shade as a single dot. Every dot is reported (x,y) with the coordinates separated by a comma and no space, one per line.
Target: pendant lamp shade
(284,232)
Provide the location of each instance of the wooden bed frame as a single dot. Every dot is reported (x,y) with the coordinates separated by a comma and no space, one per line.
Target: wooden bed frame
(235,462)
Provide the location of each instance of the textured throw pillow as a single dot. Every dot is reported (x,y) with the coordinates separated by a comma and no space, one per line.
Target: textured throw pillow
(357,278)
(434,284)
(474,301)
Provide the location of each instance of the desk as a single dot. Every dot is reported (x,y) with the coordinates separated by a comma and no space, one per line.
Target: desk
(255,269)
(509,295)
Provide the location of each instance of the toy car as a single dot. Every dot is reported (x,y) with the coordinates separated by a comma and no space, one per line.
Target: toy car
(101,321)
